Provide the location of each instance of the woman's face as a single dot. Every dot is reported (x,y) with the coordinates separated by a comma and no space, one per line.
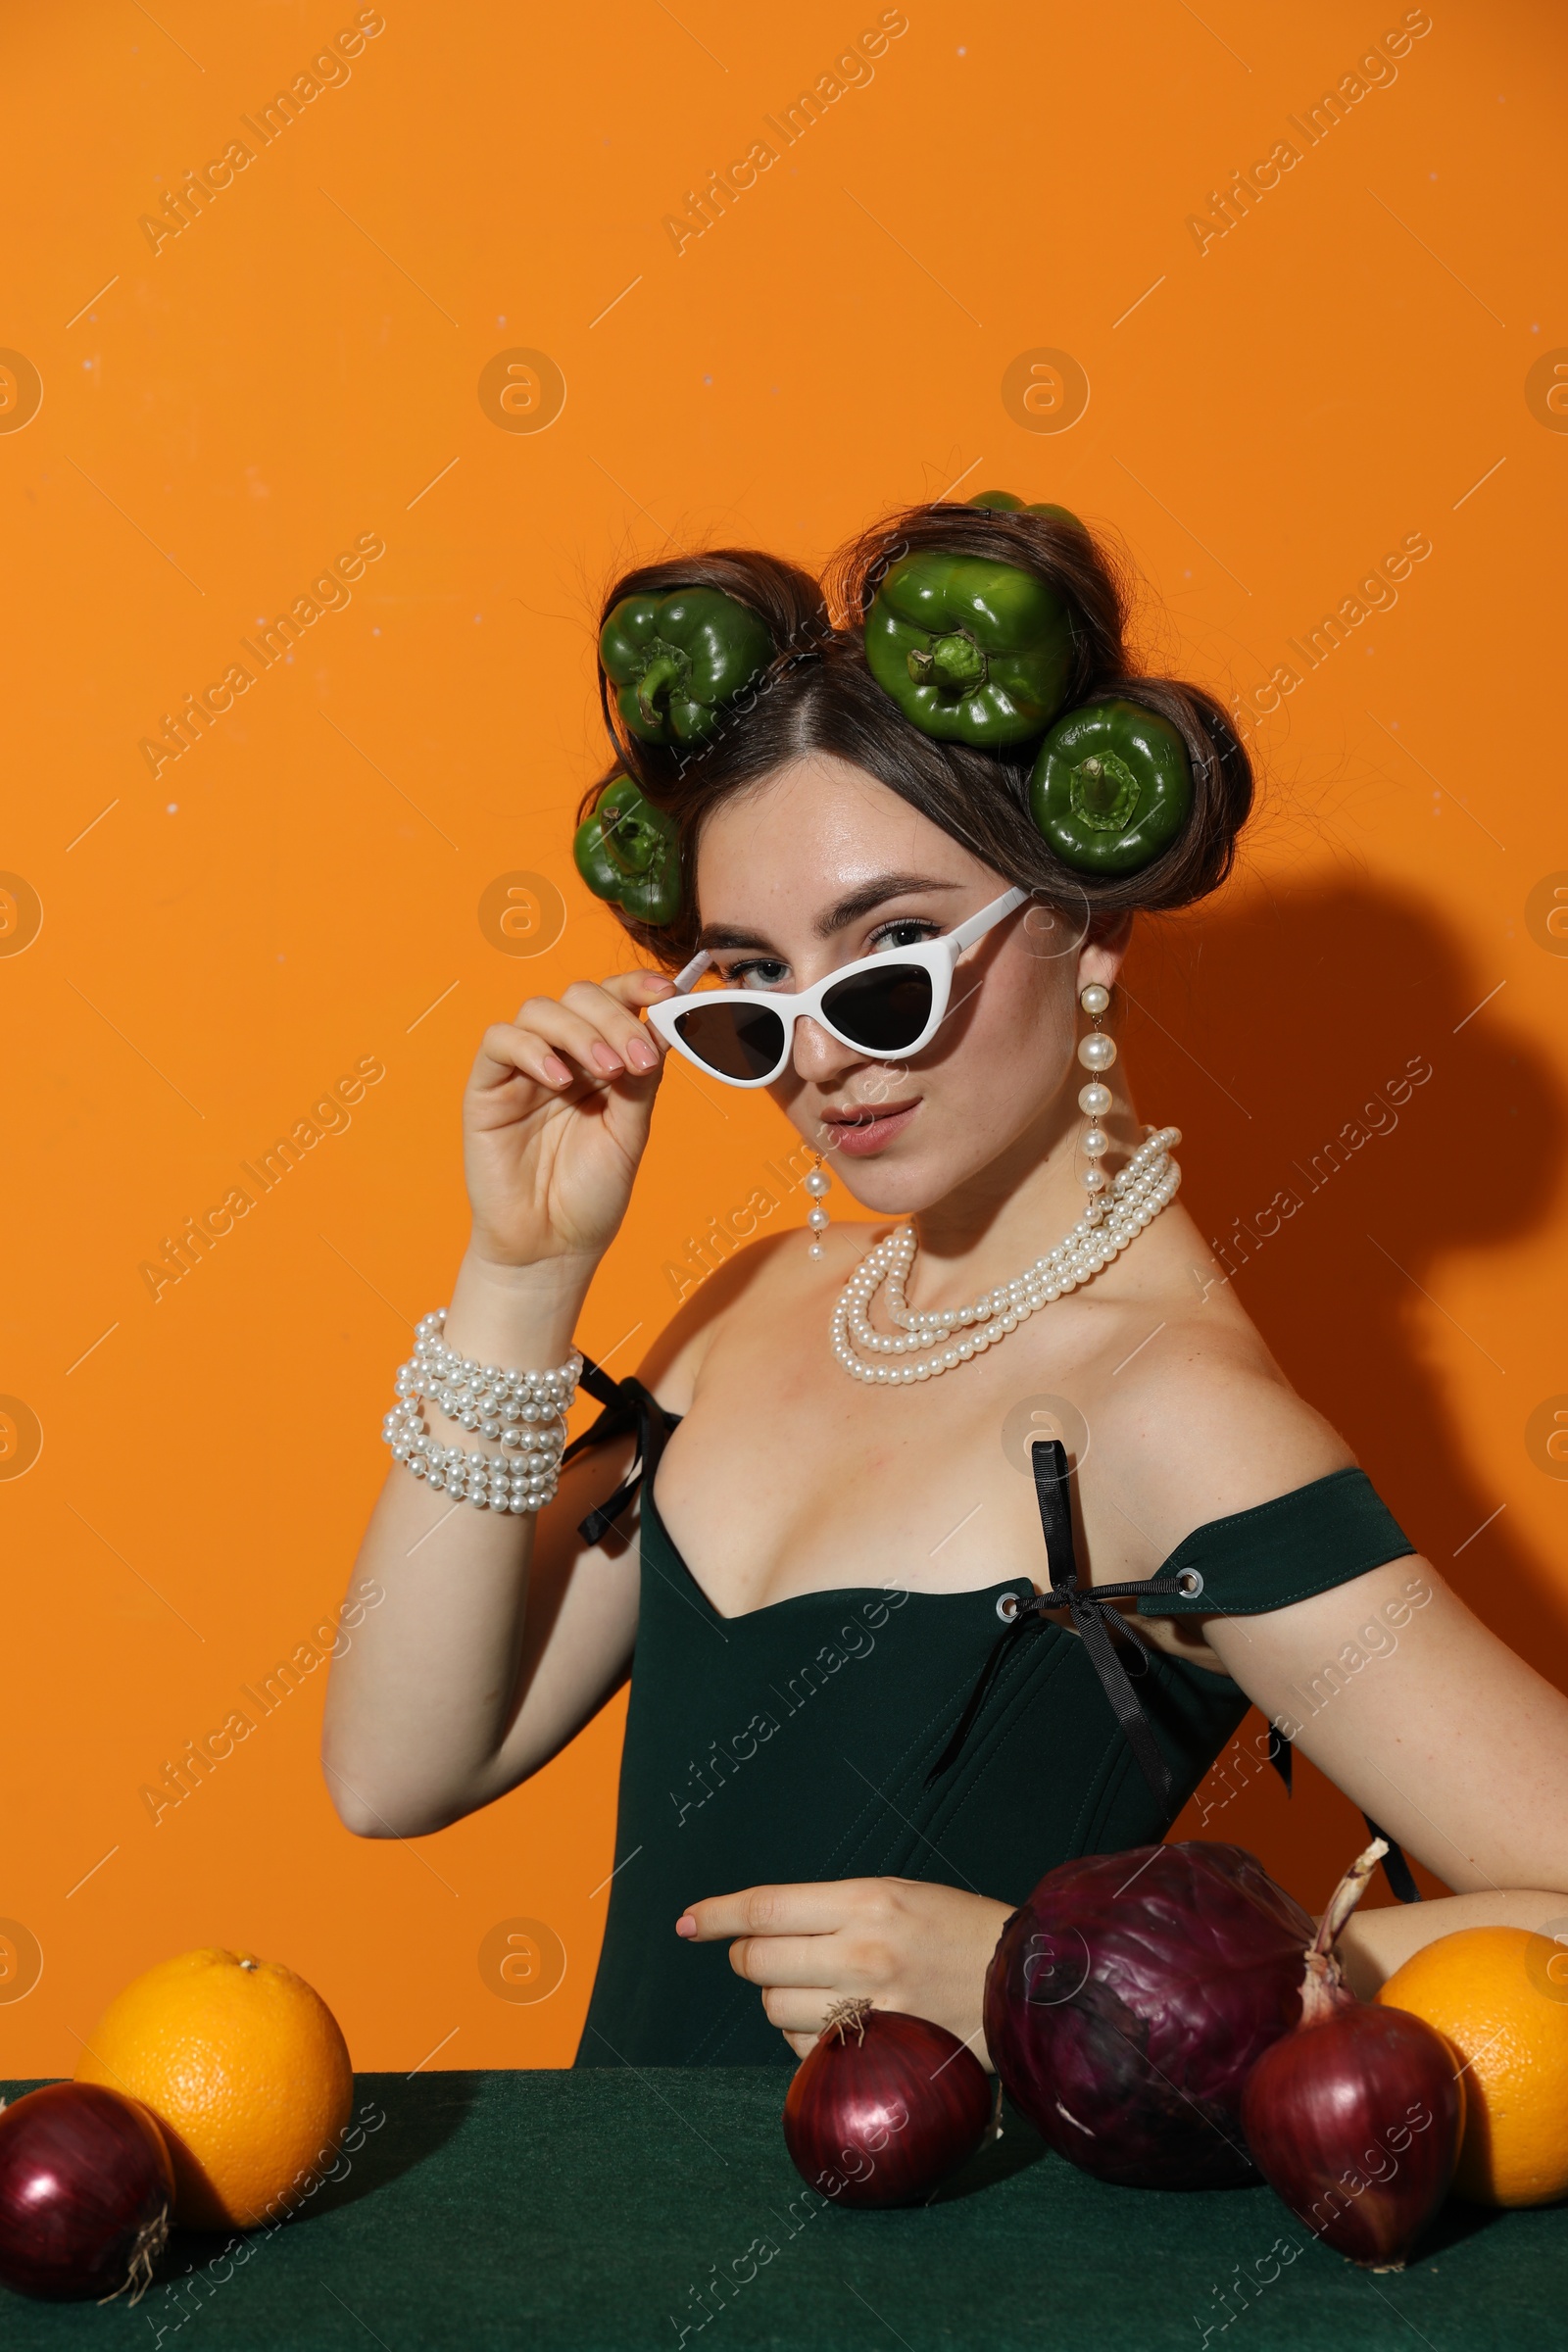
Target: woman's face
(821,865)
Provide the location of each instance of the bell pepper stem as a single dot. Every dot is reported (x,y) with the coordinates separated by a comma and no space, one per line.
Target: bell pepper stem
(959,663)
(954,662)
(660,675)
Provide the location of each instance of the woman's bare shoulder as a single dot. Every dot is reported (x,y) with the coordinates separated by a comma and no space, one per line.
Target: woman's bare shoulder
(763,1278)
(1203,1423)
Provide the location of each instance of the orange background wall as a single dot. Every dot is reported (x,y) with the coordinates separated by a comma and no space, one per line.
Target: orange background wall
(1366,354)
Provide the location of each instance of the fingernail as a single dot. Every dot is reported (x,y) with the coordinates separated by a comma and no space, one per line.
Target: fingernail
(685,1925)
(556,1071)
(608,1061)
(640,1053)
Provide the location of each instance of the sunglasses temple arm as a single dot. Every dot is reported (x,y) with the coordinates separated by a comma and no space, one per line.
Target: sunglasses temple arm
(979,924)
(692,971)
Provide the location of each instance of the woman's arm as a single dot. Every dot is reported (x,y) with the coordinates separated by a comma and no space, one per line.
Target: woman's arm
(1429,1721)
(500,1635)
(1437,1730)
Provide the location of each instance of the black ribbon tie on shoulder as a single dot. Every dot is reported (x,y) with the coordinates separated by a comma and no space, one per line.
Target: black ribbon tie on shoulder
(1098,1624)
(1094,1618)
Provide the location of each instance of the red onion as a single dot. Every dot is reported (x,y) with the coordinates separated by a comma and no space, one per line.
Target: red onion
(86,2187)
(884,2107)
(1355,2118)
(1128,1999)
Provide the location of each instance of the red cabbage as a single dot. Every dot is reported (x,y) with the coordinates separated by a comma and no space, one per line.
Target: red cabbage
(1128,1999)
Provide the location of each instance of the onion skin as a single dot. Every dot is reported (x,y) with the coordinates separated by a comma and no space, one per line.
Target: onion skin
(86,2188)
(884,2107)
(1357,2129)
(1129,2000)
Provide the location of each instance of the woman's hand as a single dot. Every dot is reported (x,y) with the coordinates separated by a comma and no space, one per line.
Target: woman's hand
(555,1119)
(898,1943)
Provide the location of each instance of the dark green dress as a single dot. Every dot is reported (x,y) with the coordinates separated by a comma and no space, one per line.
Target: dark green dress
(873,1733)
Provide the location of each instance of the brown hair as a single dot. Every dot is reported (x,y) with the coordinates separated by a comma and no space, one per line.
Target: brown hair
(817,695)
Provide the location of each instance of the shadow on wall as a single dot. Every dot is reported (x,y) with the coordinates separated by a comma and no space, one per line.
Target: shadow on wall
(1351,1121)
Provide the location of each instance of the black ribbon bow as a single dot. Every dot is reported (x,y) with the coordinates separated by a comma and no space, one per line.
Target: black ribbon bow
(1097,1622)
(1090,1609)
(628,1405)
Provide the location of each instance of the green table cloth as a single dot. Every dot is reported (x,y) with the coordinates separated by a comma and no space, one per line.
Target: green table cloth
(616,2207)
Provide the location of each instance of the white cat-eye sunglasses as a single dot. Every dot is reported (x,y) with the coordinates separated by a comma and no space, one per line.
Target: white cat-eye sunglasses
(887,1006)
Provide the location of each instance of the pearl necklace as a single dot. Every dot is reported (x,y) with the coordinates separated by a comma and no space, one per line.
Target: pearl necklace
(1135,1197)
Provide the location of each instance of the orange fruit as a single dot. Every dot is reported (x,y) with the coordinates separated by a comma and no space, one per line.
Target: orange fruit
(1501,1995)
(244,2065)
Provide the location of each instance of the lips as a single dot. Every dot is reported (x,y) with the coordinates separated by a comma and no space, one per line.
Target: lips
(860,1132)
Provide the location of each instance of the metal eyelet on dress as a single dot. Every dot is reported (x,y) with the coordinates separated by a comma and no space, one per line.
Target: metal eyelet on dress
(1190,1584)
(1008,1607)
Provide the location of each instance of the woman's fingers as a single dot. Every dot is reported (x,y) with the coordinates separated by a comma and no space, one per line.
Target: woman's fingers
(808,1945)
(795,2012)
(818,1961)
(813,1908)
(598,1044)
(818,1938)
(595,1028)
(561,1035)
(505,1050)
(638,988)
(900,1944)
(591,1030)
(610,1008)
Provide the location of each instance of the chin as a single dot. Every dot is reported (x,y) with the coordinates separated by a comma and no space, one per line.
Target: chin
(907,1170)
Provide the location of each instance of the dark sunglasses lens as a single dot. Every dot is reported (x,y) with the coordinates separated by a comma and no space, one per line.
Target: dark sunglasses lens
(883,1011)
(739,1041)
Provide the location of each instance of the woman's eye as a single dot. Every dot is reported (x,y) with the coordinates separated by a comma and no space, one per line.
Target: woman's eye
(762,971)
(911,932)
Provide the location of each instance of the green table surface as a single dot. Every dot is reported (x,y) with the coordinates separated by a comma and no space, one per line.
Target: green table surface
(594,2208)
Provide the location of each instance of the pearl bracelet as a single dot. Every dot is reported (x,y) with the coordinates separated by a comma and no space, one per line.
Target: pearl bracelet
(525,1411)
(474,1393)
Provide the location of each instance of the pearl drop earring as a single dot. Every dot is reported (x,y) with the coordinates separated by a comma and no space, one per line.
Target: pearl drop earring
(817,1184)
(1096,1053)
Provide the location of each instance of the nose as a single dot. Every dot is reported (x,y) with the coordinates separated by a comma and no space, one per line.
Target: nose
(818,1054)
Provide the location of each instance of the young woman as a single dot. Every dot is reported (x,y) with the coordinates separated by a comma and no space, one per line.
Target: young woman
(852,1745)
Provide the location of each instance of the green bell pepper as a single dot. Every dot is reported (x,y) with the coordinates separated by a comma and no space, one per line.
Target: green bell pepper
(629,853)
(971,650)
(1003,502)
(1111,788)
(677,657)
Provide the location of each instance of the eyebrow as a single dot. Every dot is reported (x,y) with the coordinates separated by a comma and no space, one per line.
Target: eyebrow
(839,917)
